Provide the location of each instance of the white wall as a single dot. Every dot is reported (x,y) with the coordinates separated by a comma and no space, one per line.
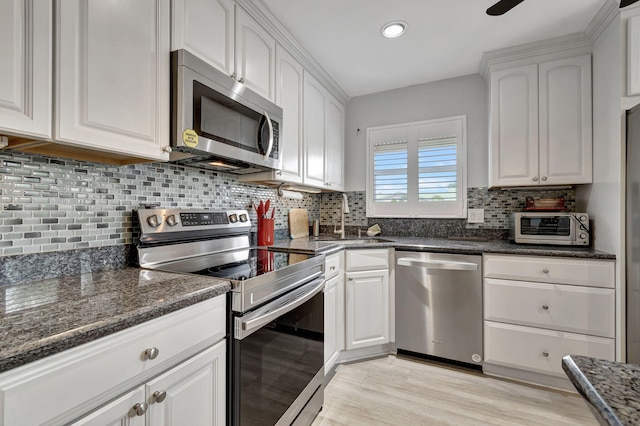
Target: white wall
(604,199)
(446,98)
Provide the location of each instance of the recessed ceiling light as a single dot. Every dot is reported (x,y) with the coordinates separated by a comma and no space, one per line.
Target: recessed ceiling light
(394,29)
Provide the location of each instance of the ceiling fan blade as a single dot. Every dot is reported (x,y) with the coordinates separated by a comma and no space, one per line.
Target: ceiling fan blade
(625,3)
(503,6)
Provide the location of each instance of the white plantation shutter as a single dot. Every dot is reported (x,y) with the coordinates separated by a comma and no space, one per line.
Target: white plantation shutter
(390,172)
(417,169)
(437,174)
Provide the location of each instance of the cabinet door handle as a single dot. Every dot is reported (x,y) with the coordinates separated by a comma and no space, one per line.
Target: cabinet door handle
(545,307)
(350,278)
(233,76)
(241,81)
(332,268)
(535,179)
(151,353)
(545,354)
(159,396)
(544,178)
(545,271)
(140,408)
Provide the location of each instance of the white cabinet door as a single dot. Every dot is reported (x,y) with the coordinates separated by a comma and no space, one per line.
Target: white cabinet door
(334,144)
(113,76)
(26,44)
(255,55)
(193,393)
(367,308)
(330,323)
(565,121)
(513,157)
(289,86)
(206,29)
(120,412)
(314,137)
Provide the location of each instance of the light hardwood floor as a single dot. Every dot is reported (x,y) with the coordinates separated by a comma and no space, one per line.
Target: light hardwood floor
(403,391)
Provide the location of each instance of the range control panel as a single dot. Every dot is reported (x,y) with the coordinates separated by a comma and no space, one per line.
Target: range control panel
(174,221)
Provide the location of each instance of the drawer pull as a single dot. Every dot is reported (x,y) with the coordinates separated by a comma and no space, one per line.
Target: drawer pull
(545,271)
(332,268)
(151,353)
(140,408)
(545,354)
(545,307)
(159,396)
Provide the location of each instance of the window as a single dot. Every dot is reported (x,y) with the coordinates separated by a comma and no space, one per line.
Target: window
(417,169)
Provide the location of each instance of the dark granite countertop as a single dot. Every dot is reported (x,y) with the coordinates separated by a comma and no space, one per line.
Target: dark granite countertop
(328,244)
(611,389)
(41,318)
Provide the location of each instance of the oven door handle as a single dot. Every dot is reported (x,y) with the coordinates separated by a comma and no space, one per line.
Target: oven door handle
(247,325)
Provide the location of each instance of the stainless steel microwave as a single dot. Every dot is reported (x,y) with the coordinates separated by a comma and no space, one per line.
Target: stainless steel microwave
(218,123)
(561,228)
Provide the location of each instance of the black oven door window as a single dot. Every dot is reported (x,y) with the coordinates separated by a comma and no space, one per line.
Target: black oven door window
(274,365)
(551,226)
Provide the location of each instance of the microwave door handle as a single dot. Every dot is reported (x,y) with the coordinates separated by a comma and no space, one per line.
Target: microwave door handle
(270,146)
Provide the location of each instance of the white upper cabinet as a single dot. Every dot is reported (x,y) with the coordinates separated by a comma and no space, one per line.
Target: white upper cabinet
(334,135)
(289,86)
(565,121)
(255,55)
(314,111)
(323,137)
(112,80)
(227,37)
(207,29)
(541,124)
(26,82)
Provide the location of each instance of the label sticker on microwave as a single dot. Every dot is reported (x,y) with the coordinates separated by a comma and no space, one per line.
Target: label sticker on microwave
(190,138)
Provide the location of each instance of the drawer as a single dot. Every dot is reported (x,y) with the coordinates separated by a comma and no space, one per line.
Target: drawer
(333,265)
(539,350)
(82,377)
(576,309)
(366,260)
(584,272)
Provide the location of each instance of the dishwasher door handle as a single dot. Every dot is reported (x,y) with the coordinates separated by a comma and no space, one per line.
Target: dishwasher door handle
(438,264)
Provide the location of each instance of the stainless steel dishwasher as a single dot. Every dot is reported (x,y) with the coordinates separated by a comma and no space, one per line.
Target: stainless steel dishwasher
(439,306)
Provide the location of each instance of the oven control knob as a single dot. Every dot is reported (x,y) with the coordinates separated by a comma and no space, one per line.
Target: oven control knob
(583,236)
(582,218)
(171,220)
(233,218)
(243,217)
(154,221)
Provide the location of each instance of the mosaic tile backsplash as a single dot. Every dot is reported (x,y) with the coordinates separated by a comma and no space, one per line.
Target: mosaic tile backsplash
(498,204)
(49,204)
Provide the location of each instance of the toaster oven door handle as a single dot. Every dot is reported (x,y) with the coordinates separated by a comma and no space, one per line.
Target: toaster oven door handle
(436,264)
(270,146)
(244,326)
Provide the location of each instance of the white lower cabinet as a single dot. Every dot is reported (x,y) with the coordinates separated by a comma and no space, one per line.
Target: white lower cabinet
(333,311)
(367,301)
(182,353)
(191,393)
(367,308)
(539,309)
(122,411)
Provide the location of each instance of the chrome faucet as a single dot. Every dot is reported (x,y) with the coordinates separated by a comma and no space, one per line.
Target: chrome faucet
(344,208)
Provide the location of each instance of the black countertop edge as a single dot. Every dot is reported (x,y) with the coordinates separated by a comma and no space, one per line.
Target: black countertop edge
(578,368)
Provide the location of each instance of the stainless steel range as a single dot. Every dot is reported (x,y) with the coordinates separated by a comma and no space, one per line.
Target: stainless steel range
(276,309)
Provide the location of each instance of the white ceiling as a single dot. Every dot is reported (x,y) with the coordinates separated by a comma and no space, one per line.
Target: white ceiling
(445,38)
